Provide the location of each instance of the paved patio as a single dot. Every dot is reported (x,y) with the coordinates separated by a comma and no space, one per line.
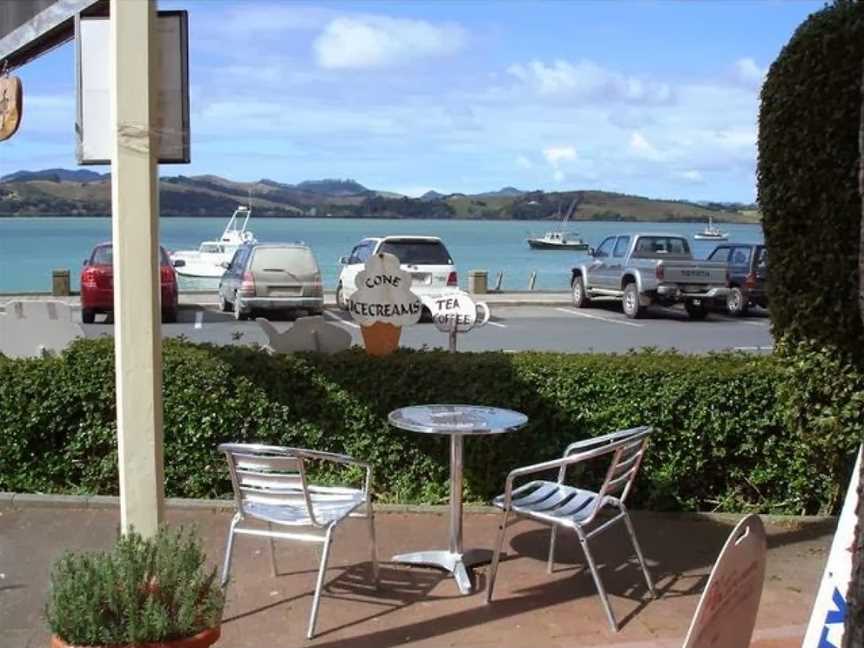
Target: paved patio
(421,608)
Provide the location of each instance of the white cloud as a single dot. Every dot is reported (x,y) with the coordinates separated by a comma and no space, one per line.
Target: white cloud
(557,154)
(641,147)
(689,175)
(354,42)
(589,81)
(559,175)
(748,73)
(523,162)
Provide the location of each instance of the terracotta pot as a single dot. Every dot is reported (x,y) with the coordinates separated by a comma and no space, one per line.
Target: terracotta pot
(381,339)
(203,639)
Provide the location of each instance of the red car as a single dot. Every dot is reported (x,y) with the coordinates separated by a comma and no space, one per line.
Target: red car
(97,285)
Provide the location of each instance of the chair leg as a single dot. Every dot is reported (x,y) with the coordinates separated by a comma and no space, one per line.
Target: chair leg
(638,549)
(273,569)
(496,556)
(600,589)
(226,565)
(319,583)
(375,570)
(550,565)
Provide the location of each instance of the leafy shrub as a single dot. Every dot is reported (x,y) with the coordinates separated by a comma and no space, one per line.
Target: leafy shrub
(142,591)
(735,432)
(808,178)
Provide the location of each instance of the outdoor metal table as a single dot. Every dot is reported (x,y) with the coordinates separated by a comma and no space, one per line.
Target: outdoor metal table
(458,421)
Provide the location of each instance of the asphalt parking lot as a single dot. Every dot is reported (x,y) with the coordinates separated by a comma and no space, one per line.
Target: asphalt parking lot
(602,328)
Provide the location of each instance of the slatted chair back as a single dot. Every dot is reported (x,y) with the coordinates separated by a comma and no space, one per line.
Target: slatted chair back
(626,459)
(271,475)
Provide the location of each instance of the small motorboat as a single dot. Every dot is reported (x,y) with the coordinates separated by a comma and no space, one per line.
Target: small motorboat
(560,240)
(711,233)
(209,260)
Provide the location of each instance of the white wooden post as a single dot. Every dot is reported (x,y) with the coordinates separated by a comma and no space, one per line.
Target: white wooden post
(135,222)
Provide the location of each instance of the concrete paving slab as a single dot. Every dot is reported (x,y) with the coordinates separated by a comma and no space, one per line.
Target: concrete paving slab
(420,607)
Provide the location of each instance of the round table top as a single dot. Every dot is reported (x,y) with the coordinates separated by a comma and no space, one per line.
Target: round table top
(457,419)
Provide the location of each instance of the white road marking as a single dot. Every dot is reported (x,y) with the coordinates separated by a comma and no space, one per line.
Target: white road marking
(768,347)
(333,317)
(754,323)
(199,319)
(570,311)
(498,324)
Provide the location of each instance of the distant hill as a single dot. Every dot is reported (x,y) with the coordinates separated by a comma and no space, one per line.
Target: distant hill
(83,192)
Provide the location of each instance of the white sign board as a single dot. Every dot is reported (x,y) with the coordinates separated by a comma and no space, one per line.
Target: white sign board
(93,128)
(827,621)
(726,614)
(456,311)
(383,303)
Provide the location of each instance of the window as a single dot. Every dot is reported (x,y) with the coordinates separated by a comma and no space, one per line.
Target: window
(102,255)
(741,256)
(761,257)
(720,254)
(360,253)
(621,246)
(293,260)
(237,260)
(605,248)
(663,247)
(418,252)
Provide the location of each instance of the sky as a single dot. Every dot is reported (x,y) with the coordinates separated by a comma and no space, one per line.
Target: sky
(656,98)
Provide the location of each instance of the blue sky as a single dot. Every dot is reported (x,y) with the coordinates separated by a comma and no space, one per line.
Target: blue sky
(652,98)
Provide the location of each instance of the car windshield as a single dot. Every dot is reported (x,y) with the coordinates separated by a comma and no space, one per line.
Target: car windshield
(661,246)
(296,260)
(418,252)
(104,255)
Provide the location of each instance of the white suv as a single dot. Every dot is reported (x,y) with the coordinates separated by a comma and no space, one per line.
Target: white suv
(424,257)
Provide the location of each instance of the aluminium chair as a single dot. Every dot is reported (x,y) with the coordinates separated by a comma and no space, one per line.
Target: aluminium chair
(271,486)
(558,505)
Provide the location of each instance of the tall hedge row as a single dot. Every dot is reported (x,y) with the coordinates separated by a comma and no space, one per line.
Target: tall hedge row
(734,432)
(808,178)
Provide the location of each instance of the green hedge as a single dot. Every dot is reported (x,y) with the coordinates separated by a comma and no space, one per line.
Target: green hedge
(735,432)
(808,178)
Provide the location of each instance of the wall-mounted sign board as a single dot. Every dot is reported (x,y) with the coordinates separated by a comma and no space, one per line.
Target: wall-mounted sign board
(94,139)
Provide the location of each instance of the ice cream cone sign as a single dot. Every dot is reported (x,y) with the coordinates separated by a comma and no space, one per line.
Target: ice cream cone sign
(383,303)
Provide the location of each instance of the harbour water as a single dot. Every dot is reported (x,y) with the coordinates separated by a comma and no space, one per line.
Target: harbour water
(30,248)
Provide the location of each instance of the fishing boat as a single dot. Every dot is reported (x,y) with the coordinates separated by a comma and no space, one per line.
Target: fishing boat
(560,240)
(209,260)
(711,233)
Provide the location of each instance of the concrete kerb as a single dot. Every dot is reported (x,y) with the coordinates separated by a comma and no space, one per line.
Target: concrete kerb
(31,500)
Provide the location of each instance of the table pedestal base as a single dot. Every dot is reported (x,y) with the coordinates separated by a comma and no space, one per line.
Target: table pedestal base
(457,564)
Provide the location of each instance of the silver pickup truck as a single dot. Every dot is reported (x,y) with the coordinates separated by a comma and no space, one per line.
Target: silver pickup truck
(645,269)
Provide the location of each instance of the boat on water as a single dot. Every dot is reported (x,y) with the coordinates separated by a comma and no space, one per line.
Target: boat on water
(561,239)
(209,260)
(711,233)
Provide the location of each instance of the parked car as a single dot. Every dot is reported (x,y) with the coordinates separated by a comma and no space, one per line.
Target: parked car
(747,264)
(645,269)
(97,284)
(425,257)
(271,277)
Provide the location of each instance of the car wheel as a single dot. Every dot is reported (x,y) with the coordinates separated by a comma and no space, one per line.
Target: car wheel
(736,302)
(580,299)
(239,314)
(224,304)
(696,311)
(340,298)
(631,305)
(88,315)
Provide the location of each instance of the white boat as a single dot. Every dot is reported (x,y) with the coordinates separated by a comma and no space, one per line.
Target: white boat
(559,240)
(711,233)
(209,259)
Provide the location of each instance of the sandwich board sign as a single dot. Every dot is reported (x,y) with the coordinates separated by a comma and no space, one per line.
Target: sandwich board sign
(726,614)
(827,622)
(383,303)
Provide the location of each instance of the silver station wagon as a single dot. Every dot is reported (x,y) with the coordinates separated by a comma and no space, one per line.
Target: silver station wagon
(271,277)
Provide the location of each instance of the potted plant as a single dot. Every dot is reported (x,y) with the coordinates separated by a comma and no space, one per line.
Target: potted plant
(143,593)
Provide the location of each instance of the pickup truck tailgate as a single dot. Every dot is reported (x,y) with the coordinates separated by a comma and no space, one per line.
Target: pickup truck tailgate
(693,273)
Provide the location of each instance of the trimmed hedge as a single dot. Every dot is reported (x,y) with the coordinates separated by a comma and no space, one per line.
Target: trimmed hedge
(808,179)
(736,432)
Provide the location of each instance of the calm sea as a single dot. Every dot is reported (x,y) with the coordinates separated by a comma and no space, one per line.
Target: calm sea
(30,248)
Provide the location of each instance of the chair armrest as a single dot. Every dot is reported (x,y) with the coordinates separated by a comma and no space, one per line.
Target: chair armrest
(343,459)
